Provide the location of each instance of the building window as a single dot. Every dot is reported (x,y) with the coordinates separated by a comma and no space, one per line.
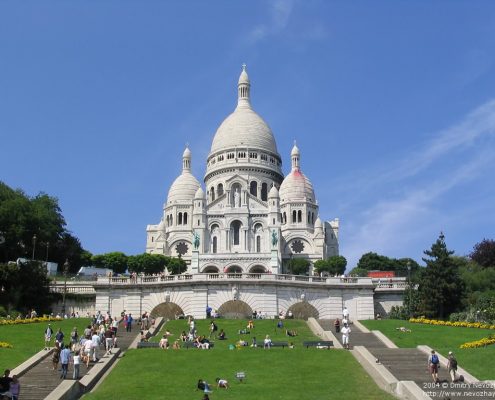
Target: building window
(297,246)
(264,191)
(181,248)
(198,222)
(258,244)
(236,230)
(212,193)
(219,189)
(299,216)
(179,221)
(284,218)
(185,218)
(214,244)
(253,188)
(294,216)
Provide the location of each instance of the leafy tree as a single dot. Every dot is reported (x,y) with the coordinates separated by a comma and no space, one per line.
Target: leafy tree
(147,263)
(358,272)
(375,262)
(334,265)
(440,285)
(298,266)
(484,253)
(116,261)
(177,266)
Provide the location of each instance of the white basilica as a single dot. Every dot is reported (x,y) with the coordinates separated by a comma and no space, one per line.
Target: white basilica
(251,218)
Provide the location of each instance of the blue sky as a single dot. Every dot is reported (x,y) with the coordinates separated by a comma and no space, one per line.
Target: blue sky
(392,104)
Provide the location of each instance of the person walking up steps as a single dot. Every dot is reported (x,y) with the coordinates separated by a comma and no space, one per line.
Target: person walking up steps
(48,336)
(452,366)
(345,336)
(433,363)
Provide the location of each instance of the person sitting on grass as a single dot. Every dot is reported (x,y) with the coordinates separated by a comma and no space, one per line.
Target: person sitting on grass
(253,342)
(176,345)
(241,343)
(250,324)
(221,335)
(267,343)
(163,344)
(222,383)
(183,336)
(143,337)
(203,385)
(291,333)
(244,332)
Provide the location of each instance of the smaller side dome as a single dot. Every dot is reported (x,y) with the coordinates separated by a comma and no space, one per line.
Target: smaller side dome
(187,152)
(273,193)
(295,150)
(318,223)
(200,194)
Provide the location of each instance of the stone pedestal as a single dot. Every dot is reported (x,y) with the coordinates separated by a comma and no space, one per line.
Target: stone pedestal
(274,264)
(195,262)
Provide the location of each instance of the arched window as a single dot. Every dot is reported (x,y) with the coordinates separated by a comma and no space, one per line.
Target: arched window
(264,191)
(185,218)
(212,193)
(168,221)
(219,189)
(312,218)
(309,217)
(171,220)
(294,216)
(236,232)
(299,216)
(214,247)
(253,188)
(284,221)
(258,244)
(179,221)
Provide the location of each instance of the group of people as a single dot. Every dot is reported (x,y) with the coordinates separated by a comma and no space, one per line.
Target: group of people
(343,327)
(9,386)
(434,366)
(206,388)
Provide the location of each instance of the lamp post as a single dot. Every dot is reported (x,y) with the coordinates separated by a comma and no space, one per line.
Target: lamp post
(66,269)
(409,284)
(34,246)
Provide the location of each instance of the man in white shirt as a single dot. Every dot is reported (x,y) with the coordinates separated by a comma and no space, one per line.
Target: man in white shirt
(345,336)
(345,313)
(95,339)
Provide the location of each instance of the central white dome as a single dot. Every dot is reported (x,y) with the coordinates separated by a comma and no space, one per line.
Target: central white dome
(244,128)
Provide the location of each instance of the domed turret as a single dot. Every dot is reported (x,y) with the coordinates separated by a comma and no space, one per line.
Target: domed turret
(273,193)
(185,185)
(200,194)
(296,186)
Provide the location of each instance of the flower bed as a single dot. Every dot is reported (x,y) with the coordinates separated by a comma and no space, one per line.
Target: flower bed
(479,343)
(27,321)
(461,324)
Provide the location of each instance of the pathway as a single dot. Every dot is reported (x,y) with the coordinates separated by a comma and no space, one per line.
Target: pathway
(407,364)
(41,380)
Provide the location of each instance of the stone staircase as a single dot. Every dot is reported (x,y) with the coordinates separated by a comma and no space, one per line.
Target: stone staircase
(410,364)
(38,382)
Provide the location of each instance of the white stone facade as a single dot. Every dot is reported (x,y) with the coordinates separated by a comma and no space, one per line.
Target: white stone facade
(250,218)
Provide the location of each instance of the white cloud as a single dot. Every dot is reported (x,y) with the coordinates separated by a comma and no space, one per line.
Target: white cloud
(393,221)
(280,12)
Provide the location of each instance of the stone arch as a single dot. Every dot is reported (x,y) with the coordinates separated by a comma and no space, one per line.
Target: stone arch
(303,310)
(233,269)
(166,310)
(235,309)
(210,269)
(257,269)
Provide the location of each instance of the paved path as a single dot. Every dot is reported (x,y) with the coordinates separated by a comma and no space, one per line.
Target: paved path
(408,364)
(41,380)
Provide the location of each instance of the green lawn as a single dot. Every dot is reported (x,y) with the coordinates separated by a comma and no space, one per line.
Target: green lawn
(28,339)
(478,362)
(277,373)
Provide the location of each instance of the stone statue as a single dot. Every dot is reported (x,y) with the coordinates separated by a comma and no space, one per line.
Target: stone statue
(274,238)
(237,198)
(196,240)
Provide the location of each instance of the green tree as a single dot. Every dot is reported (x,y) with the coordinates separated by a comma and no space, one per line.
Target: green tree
(484,253)
(334,265)
(356,271)
(299,266)
(176,266)
(375,262)
(440,286)
(147,263)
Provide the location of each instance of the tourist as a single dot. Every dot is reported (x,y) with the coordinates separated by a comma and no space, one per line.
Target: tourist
(5,382)
(267,343)
(336,325)
(345,313)
(345,336)
(95,339)
(74,338)
(253,342)
(250,324)
(56,357)
(222,383)
(59,337)
(129,323)
(183,336)
(77,362)
(176,345)
(291,333)
(206,397)
(163,344)
(280,324)
(15,388)
(203,385)
(87,332)
(452,366)
(48,336)
(213,328)
(221,335)
(64,359)
(88,349)
(109,340)
(433,363)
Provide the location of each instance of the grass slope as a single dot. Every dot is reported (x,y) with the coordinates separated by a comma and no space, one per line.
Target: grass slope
(277,373)
(29,339)
(478,362)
